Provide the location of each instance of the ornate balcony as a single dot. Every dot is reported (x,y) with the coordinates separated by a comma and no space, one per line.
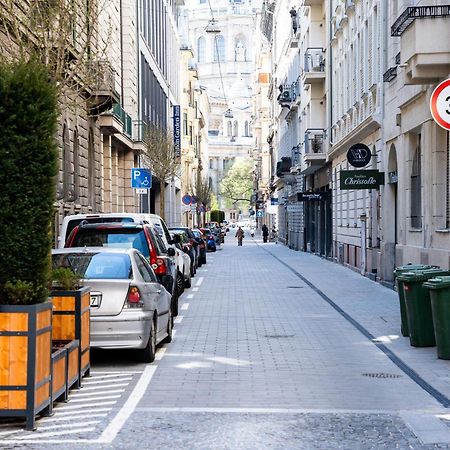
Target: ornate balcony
(426,59)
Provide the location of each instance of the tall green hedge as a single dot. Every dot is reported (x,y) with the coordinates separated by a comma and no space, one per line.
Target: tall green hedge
(28,165)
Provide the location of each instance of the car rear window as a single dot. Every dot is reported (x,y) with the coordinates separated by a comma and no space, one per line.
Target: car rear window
(99,266)
(120,238)
(75,222)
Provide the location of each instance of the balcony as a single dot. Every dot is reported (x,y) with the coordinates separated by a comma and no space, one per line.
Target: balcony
(314,68)
(100,89)
(287,94)
(116,121)
(314,155)
(390,74)
(426,59)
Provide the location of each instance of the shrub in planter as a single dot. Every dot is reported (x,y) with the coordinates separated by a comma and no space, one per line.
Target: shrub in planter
(28,157)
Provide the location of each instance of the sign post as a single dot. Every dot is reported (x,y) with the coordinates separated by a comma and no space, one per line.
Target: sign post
(440,104)
(141,178)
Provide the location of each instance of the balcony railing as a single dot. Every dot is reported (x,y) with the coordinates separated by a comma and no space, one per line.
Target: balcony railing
(267,20)
(123,117)
(390,74)
(314,60)
(314,140)
(417,12)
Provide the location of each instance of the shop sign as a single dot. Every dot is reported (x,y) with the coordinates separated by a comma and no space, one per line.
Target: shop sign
(358,155)
(177,130)
(361,179)
(312,196)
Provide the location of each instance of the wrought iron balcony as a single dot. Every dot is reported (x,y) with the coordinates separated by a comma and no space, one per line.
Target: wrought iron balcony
(314,67)
(417,12)
(390,74)
(314,140)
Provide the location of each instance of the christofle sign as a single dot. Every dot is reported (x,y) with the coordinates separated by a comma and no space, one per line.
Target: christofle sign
(361,179)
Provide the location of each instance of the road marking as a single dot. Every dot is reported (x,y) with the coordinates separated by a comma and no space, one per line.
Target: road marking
(195,289)
(184,306)
(5,433)
(122,372)
(200,281)
(190,296)
(174,332)
(96,388)
(115,375)
(128,408)
(90,399)
(178,319)
(56,427)
(55,433)
(106,381)
(160,353)
(70,416)
(70,407)
(98,392)
(85,411)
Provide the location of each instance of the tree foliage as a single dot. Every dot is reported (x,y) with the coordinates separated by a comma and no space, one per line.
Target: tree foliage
(237,186)
(159,157)
(28,156)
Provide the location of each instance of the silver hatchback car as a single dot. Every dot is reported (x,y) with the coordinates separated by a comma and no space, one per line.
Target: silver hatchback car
(129,308)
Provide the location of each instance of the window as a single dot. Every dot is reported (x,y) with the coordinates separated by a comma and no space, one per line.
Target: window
(416,187)
(236,128)
(219,48)
(145,270)
(229,128)
(246,130)
(210,163)
(185,124)
(201,49)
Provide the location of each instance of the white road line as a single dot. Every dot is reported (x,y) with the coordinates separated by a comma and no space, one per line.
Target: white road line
(200,281)
(56,433)
(184,306)
(160,354)
(128,408)
(98,392)
(71,416)
(122,372)
(67,426)
(70,407)
(190,296)
(65,414)
(178,319)
(91,399)
(96,388)
(195,289)
(174,332)
(105,381)
(5,433)
(102,377)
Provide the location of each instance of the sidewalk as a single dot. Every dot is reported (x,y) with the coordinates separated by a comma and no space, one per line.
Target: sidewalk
(370,304)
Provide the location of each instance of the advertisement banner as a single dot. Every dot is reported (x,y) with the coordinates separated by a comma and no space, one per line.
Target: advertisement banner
(177,130)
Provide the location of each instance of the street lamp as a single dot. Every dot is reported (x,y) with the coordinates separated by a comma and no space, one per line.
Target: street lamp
(212,27)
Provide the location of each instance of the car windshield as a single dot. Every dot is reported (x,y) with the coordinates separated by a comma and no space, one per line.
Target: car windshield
(105,237)
(102,266)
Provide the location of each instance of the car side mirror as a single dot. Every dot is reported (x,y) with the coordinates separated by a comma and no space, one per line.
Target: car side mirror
(171,251)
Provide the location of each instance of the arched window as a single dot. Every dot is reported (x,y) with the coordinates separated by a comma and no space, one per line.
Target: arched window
(416,187)
(246,130)
(236,128)
(240,50)
(201,49)
(229,128)
(219,48)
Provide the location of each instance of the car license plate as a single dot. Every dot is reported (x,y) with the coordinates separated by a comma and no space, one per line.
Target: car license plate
(96,299)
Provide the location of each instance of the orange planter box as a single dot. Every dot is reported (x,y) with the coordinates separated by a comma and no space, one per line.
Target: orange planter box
(25,360)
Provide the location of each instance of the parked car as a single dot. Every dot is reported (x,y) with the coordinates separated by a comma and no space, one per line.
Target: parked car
(192,241)
(182,239)
(129,307)
(71,221)
(210,240)
(201,245)
(132,235)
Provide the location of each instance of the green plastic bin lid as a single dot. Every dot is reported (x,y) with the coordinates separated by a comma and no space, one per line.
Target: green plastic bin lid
(438,282)
(422,275)
(408,267)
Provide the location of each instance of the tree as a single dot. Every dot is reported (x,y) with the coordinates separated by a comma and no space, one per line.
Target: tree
(237,186)
(159,157)
(203,192)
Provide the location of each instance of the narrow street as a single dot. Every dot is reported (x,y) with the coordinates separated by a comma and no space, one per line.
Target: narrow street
(273,349)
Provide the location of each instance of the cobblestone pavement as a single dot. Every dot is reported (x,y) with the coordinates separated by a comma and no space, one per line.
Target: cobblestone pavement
(273,350)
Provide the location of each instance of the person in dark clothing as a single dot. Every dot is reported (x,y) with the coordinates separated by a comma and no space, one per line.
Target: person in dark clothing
(265,232)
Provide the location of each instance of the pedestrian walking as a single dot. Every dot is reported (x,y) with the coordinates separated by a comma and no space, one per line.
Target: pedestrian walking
(265,232)
(240,236)
(273,235)
(252,232)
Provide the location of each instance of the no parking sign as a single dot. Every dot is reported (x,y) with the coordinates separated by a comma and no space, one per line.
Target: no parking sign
(440,104)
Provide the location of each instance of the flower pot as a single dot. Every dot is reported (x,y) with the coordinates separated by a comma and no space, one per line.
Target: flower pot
(59,374)
(71,320)
(25,360)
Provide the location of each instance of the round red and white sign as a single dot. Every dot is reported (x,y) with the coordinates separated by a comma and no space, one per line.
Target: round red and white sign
(440,104)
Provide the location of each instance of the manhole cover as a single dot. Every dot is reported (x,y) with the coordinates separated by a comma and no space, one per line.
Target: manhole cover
(381,375)
(294,287)
(279,336)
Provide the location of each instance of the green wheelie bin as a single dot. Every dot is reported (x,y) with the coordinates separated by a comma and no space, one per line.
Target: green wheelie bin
(401,295)
(440,306)
(418,306)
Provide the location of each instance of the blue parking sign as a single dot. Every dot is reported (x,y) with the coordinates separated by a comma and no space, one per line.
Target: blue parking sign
(141,178)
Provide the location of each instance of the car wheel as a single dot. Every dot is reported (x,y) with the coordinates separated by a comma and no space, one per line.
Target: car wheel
(168,339)
(148,353)
(188,282)
(174,306)
(180,283)
(192,270)
(204,259)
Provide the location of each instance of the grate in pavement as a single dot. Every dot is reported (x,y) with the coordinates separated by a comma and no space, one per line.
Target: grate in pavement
(381,375)
(278,336)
